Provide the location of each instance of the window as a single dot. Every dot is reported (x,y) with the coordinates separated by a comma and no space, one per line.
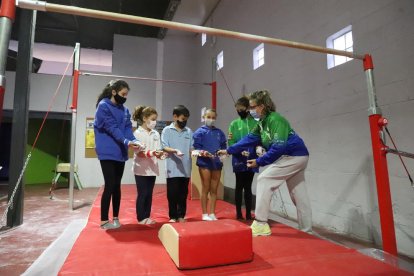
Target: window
(258,56)
(220,61)
(203,39)
(341,40)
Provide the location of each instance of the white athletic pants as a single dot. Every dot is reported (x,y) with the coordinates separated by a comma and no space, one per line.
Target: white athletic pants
(292,170)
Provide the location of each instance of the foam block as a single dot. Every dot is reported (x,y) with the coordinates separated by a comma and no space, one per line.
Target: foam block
(207,243)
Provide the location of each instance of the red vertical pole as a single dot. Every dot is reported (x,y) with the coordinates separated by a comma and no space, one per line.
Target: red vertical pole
(74,105)
(2,91)
(376,123)
(7,16)
(214,95)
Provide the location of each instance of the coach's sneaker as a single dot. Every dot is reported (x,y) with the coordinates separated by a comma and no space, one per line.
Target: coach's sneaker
(212,216)
(260,229)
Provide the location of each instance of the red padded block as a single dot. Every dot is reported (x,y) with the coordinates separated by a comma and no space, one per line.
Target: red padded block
(207,243)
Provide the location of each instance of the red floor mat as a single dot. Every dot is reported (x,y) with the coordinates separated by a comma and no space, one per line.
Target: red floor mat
(136,250)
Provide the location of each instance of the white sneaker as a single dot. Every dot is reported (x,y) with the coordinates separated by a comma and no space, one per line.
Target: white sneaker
(172,220)
(213,217)
(206,217)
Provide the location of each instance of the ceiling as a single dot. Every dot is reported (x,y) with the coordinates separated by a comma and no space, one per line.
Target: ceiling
(62,29)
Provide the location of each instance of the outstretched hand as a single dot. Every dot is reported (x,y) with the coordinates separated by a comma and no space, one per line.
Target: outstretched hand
(252,163)
(222,152)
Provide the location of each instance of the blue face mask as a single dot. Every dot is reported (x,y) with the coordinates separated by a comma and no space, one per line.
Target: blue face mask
(254,114)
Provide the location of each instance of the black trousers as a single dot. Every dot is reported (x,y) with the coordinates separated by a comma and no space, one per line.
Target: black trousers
(244,182)
(112,173)
(145,187)
(177,192)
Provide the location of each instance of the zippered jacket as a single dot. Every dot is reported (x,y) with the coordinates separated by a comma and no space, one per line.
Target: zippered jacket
(240,128)
(113,131)
(275,134)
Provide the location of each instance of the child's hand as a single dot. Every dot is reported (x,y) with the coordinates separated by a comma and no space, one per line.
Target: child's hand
(136,145)
(245,153)
(260,151)
(222,152)
(158,153)
(251,163)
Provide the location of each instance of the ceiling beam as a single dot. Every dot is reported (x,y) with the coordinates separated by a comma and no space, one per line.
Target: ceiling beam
(169,15)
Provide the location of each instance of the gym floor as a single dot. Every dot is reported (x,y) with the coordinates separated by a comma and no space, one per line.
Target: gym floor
(45,219)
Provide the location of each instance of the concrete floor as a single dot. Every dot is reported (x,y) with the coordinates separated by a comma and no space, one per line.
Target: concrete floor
(44,221)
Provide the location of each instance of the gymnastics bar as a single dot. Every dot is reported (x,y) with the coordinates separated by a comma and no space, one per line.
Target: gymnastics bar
(141,78)
(49,7)
(375,117)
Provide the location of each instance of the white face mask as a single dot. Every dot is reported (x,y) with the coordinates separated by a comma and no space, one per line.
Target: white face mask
(151,124)
(209,122)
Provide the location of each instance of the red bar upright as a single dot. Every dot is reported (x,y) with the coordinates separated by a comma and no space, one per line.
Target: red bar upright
(379,150)
(214,95)
(75,89)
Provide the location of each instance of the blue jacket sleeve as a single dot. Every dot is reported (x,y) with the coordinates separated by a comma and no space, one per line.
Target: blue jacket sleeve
(105,120)
(197,139)
(275,151)
(128,128)
(248,141)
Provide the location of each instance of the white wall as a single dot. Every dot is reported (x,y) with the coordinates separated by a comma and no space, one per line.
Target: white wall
(132,56)
(328,108)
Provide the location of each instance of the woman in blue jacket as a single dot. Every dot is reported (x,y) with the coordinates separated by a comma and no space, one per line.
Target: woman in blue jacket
(113,136)
(286,160)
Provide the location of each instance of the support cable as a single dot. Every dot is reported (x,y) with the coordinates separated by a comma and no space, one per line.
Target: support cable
(396,151)
(3,220)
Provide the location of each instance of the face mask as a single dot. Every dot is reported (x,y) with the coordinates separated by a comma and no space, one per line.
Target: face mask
(243,114)
(119,99)
(151,124)
(181,124)
(210,122)
(254,114)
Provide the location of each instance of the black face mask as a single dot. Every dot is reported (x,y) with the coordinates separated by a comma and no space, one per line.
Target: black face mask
(243,114)
(119,99)
(181,124)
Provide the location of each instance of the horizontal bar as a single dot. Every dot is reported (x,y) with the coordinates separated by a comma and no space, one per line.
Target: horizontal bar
(141,78)
(402,153)
(44,6)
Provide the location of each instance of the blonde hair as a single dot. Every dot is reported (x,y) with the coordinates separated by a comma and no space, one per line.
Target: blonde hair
(210,110)
(142,112)
(263,97)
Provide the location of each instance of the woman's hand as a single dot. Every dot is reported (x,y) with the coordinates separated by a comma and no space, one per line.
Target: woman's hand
(136,145)
(252,163)
(222,152)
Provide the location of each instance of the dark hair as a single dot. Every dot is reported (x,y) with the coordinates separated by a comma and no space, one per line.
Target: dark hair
(142,112)
(116,85)
(181,110)
(263,97)
(243,101)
